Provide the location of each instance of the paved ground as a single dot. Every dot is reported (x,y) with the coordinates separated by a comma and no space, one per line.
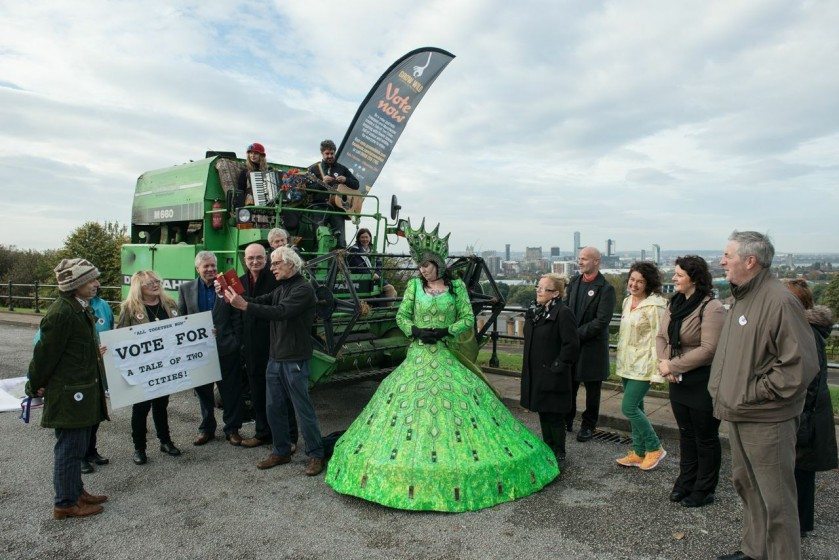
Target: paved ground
(213,503)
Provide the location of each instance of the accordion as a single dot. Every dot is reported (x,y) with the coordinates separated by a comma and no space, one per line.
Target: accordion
(266,187)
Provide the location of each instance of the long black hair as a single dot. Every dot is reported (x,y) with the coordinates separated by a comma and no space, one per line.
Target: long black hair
(446,275)
(697,270)
(651,275)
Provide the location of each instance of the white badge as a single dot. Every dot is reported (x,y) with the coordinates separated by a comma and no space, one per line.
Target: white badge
(174,313)
(78,397)
(140,316)
(742,320)
(590,293)
(100,321)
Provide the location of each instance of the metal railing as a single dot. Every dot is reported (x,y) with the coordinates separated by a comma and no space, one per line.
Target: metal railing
(494,336)
(37,296)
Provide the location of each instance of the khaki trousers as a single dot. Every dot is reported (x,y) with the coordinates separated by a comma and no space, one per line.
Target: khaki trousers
(762,470)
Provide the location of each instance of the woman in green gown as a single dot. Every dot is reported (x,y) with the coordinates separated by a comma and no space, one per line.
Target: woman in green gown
(435,436)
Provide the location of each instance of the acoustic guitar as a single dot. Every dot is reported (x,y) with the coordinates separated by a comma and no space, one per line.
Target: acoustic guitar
(347,199)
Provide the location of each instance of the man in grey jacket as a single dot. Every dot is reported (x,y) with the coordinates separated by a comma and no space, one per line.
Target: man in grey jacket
(764,361)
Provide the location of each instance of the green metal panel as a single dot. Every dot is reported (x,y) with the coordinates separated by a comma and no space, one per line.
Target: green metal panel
(175,193)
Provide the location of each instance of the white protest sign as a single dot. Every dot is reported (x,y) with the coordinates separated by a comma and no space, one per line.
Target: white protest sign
(155,359)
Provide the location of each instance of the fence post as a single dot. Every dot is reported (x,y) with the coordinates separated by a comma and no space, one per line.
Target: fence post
(11,304)
(493,360)
(37,301)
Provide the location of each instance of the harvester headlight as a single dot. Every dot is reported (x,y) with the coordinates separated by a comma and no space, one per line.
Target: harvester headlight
(244,215)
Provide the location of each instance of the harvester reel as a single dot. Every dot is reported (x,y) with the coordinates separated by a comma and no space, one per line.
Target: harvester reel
(328,304)
(471,269)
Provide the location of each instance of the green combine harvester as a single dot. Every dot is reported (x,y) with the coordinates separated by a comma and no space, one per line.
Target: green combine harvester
(181,210)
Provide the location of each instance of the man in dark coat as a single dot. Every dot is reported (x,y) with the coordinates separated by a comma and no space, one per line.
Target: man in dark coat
(551,347)
(333,174)
(254,333)
(198,296)
(592,300)
(67,370)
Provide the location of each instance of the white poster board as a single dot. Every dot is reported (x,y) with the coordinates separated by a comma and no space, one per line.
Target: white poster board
(160,358)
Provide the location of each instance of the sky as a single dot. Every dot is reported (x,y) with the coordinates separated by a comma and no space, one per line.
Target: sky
(642,121)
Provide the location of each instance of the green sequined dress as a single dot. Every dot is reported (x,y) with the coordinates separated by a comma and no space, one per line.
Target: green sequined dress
(435,436)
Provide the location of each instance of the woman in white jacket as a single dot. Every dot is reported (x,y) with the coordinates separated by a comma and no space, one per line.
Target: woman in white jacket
(637,363)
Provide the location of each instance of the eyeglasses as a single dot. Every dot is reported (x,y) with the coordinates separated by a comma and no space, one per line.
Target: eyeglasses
(275,264)
(151,283)
(541,289)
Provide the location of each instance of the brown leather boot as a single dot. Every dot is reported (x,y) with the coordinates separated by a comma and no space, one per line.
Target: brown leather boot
(314,467)
(87,498)
(78,510)
(272,461)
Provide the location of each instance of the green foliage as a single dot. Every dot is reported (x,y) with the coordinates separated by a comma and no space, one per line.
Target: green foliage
(25,267)
(618,282)
(834,398)
(100,244)
(830,295)
(397,271)
(522,294)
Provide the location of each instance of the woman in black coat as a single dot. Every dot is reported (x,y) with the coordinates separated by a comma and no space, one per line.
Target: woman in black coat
(815,448)
(551,347)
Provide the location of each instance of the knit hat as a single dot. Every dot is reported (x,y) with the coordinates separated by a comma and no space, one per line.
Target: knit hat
(74,273)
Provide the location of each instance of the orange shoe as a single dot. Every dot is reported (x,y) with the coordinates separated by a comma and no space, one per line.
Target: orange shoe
(652,459)
(632,459)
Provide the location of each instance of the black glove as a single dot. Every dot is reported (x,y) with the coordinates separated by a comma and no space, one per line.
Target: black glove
(439,334)
(417,332)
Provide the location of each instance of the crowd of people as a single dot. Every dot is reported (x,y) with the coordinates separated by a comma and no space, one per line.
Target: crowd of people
(435,436)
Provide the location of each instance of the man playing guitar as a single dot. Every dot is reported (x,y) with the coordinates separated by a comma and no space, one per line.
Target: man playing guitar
(334,175)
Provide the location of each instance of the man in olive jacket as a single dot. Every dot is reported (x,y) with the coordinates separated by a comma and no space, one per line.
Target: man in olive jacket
(67,370)
(764,361)
(592,300)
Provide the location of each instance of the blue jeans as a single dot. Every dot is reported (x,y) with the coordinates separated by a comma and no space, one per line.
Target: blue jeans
(70,447)
(290,380)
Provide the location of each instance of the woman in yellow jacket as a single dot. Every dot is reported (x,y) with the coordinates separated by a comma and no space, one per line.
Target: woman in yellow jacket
(637,363)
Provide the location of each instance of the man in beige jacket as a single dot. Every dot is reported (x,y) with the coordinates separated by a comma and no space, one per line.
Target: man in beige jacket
(765,359)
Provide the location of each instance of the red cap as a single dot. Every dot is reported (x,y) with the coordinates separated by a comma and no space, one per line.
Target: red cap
(257,147)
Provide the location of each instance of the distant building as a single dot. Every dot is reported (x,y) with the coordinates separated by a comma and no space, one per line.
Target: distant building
(470,249)
(493,264)
(507,252)
(510,267)
(576,244)
(487,254)
(566,268)
(532,253)
(656,254)
(610,262)
(554,251)
(610,247)
(643,255)
(790,260)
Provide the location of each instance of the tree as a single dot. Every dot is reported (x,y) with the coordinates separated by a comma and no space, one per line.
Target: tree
(100,244)
(830,296)
(618,282)
(522,294)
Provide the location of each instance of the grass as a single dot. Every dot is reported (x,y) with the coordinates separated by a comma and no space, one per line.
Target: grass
(834,398)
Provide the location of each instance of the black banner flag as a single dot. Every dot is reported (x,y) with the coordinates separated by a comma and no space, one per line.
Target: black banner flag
(385,111)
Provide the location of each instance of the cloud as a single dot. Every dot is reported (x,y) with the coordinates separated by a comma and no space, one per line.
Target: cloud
(645,122)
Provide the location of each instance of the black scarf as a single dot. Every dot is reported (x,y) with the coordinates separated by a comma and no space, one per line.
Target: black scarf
(539,312)
(680,308)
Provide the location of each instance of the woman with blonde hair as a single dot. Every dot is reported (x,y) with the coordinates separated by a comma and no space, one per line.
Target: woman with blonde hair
(256,160)
(147,303)
(551,348)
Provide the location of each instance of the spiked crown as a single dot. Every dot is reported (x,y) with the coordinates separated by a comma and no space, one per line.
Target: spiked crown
(428,245)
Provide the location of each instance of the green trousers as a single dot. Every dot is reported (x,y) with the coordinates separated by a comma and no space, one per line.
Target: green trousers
(644,438)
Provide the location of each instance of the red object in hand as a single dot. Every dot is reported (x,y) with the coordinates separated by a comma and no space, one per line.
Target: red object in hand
(230,280)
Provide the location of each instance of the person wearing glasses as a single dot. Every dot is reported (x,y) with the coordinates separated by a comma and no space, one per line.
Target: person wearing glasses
(290,309)
(551,348)
(254,333)
(147,303)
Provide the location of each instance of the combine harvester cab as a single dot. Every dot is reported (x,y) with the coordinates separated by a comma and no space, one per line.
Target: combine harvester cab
(181,210)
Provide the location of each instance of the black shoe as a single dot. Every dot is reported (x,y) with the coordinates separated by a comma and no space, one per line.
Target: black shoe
(569,428)
(695,500)
(170,449)
(97,458)
(560,460)
(140,457)
(739,555)
(585,434)
(87,468)
(678,495)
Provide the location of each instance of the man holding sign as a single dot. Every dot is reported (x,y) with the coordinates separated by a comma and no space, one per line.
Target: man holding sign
(198,296)
(291,310)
